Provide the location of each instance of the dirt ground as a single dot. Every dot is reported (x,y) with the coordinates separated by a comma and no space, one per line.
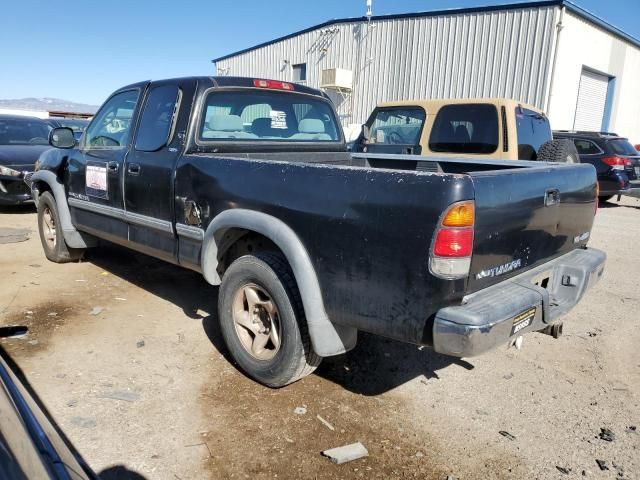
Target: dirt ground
(125,353)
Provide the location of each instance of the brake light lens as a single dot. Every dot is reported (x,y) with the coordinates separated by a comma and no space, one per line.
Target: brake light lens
(617,163)
(597,198)
(453,243)
(273,84)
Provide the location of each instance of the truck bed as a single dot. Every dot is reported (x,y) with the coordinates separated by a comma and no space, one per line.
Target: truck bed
(367,222)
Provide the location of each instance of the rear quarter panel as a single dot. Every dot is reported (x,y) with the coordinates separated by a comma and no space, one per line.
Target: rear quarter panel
(367,231)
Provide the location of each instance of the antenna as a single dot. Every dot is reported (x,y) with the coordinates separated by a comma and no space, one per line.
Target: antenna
(369,7)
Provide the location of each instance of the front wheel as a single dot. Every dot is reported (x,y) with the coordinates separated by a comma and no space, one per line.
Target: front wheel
(55,248)
(263,322)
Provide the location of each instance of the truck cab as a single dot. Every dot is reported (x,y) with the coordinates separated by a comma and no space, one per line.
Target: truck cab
(495,128)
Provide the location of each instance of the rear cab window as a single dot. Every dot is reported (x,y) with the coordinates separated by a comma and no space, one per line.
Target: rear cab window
(533,131)
(465,128)
(397,126)
(250,115)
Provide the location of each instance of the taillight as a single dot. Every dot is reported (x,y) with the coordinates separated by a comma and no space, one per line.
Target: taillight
(617,163)
(453,242)
(273,84)
(597,198)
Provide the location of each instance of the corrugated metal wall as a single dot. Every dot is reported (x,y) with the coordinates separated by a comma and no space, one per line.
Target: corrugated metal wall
(482,54)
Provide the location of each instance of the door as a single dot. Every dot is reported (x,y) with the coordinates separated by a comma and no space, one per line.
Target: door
(592,101)
(148,176)
(96,169)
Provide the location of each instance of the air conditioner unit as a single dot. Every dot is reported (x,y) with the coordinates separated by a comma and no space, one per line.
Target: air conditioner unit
(337,79)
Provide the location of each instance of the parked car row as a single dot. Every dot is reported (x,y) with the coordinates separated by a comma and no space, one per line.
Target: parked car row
(616,160)
(22,140)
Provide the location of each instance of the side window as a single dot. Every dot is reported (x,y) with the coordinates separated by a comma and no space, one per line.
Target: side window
(586,147)
(158,118)
(465,128)
(397,126)
(533,130)
(111,127)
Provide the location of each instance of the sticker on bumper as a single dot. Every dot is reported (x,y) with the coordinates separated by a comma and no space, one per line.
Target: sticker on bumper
(523,320)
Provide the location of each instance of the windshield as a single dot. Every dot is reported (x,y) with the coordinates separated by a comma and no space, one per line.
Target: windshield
(75,124)
(397,126)
(267,116)
(621,146)
(27,131)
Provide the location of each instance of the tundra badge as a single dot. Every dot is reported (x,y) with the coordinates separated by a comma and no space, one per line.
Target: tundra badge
(500,269)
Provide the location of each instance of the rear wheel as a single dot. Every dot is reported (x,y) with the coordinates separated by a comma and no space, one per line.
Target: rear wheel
(55,248)
(561,151)
(263,322)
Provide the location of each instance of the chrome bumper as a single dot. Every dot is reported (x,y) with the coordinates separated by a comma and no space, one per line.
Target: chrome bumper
(525,303)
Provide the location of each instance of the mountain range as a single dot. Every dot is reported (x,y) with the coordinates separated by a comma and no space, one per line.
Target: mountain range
(48,104)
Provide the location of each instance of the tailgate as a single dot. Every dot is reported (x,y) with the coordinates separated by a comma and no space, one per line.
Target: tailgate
(525,217)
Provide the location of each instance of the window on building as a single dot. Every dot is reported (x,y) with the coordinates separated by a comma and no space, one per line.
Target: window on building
(157,118)
(465,128)
(586,147)
(533,130)
(396,126)
(300,72)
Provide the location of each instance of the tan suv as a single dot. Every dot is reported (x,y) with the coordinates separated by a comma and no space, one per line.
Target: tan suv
(496,128)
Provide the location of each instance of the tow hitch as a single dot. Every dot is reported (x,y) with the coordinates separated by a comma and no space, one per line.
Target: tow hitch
(554,330)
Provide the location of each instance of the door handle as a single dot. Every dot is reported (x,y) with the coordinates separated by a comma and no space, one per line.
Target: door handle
(133,169)
(112,167)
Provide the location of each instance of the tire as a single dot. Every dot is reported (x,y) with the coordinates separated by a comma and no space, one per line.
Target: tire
(270,276)
(560,151)
(55,248)
(605,198)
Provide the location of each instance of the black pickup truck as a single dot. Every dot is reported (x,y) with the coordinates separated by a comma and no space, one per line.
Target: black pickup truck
(249,182)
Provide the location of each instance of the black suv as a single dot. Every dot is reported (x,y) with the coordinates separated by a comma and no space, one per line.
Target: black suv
(617,162)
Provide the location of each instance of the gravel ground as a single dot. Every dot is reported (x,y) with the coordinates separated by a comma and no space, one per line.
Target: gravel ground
(125,353)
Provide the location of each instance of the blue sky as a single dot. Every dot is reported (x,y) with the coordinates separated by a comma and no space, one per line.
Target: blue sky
(81,51)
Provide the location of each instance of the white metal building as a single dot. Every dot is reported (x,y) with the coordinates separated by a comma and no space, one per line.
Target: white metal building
(553,54)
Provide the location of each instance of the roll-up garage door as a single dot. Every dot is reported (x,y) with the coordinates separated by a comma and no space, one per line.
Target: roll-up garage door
(592,101)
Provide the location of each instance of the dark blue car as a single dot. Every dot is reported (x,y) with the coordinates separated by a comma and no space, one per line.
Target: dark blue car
(22,140)
(617,162)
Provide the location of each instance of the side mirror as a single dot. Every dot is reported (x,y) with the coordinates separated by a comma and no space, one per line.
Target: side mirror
(62,137)
(637,147)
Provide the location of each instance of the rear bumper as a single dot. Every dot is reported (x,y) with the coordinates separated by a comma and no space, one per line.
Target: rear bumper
(498,314)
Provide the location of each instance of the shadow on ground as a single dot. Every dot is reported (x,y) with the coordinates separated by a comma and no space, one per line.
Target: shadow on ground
(375,366)
(17,209)
(611,203)
(118,472)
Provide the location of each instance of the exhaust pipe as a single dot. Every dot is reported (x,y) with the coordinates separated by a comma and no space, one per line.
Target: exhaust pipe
(554,330)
